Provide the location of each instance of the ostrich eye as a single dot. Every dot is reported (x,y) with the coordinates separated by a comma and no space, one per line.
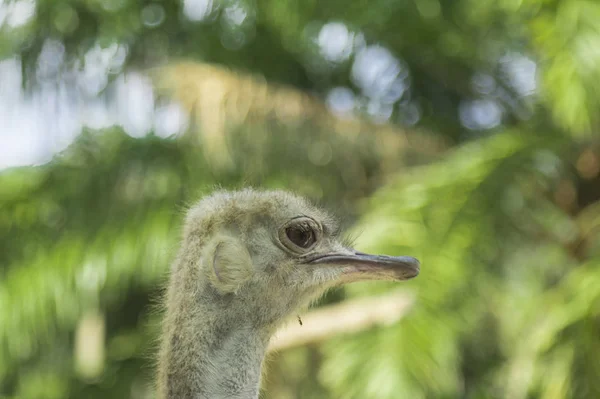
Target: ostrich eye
(301,235)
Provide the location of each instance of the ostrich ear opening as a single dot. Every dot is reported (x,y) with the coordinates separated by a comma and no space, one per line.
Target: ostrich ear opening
(228,264)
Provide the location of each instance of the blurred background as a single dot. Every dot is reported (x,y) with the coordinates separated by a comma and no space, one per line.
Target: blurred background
(461,132)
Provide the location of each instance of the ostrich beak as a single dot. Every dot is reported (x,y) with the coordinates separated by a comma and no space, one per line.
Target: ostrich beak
(358,266)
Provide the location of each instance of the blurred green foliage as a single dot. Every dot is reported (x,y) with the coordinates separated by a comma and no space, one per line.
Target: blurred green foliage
(505,223)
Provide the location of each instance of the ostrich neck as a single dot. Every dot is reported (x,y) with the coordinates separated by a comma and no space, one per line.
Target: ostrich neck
(210,351)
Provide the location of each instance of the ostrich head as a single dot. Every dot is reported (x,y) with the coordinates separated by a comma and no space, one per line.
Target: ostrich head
(265,253)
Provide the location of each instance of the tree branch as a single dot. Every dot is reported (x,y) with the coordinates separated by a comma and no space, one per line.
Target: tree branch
(219,100)
(346,318)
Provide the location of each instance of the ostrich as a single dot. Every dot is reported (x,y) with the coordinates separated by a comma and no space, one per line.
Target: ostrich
(247,261)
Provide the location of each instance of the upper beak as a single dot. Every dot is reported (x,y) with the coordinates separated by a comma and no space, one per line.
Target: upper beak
(358,266)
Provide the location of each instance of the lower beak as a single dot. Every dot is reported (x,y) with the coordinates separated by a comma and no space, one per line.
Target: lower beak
(359,266)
